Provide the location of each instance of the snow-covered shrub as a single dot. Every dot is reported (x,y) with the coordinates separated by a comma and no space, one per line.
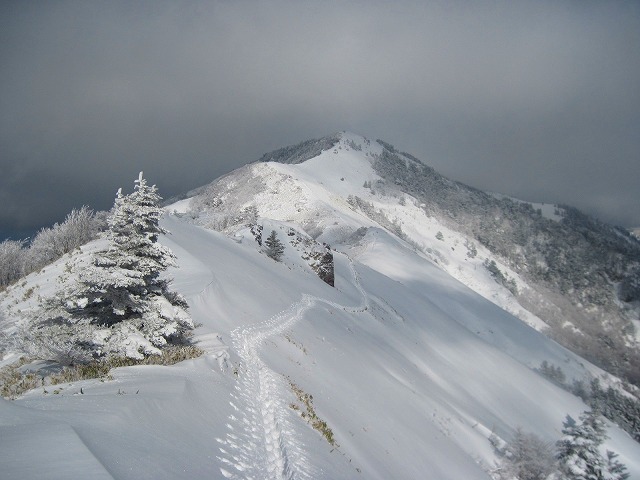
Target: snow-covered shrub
(13,383)
(354,145)
(472,251)
(12,256)
(552,372)
(499,277)
(249,215)
(58,338)
(4,341)
(526,457)
(307,411)
(49,244)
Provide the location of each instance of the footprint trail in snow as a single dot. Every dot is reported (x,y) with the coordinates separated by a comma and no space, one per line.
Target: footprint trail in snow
(261,442)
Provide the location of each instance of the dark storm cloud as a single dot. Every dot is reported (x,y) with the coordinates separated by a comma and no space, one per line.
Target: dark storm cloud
(535,99)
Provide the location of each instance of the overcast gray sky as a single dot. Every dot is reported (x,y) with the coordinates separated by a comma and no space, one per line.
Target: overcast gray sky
(536,99)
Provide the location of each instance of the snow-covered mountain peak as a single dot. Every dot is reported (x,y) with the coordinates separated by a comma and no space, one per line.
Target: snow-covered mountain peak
(333,186)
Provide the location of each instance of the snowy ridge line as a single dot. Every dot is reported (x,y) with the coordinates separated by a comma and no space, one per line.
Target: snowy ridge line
(260,442)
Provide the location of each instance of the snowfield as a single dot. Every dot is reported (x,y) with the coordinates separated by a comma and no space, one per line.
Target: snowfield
(411,369)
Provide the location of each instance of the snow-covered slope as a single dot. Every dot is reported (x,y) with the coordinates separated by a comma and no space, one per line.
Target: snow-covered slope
(410,369)
(316,195)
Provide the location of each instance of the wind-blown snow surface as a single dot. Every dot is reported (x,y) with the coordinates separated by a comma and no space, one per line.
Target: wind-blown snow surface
(410,369)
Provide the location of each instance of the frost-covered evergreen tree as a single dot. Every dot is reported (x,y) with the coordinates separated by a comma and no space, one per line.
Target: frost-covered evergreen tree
(274,247)
(616,470)
(123,278)
(119,304)
(578,450)
(526,457)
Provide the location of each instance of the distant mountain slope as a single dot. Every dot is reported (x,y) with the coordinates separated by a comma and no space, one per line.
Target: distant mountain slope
(581,276)
(590,269)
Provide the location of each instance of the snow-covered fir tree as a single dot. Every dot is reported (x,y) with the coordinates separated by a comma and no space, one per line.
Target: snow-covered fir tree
(579,454)
(274,247)
(119,304)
